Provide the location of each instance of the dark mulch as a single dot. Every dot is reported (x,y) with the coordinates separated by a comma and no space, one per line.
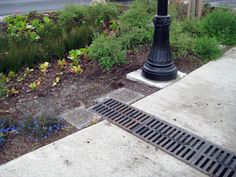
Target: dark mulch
(88,86)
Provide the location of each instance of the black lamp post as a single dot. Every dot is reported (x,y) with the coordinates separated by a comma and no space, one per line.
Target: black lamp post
(159,65)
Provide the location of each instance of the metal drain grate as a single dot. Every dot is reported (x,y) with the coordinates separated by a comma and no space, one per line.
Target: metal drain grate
(199,153)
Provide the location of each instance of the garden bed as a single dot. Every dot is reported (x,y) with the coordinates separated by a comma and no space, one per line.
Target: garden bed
(84,89)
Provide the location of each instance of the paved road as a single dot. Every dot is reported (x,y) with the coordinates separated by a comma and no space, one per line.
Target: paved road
(8,7)
(224,3)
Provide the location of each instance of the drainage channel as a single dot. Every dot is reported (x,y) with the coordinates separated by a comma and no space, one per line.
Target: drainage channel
(195,151)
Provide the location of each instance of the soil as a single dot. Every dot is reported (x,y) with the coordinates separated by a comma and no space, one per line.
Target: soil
(71,92)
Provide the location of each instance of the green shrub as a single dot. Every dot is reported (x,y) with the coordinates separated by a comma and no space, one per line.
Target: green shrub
(140,14)
(76,15)
(49,30)
(99,13)
(72,15)
(135,37)
(192,27)
(207,48)
(108,51)
(181,43)
(136,24)
(222,25)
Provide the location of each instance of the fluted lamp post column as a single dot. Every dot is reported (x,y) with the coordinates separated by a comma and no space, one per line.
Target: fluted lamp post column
(159,65)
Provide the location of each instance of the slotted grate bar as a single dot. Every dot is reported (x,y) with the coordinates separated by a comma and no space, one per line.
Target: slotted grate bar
(195,151)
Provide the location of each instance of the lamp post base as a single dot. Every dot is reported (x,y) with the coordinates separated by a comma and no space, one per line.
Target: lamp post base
(159,73)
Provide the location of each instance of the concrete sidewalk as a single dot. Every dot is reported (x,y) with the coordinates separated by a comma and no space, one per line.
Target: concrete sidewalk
(203,103)
(102,150)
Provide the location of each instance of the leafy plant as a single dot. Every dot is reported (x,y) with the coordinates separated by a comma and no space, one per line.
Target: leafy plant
(74,56)
(3,78)
(108,51)
(11,74)
(26,72)
(46,20)
(76,69)
(56,81)
(62,63)
(33,86)
(84,51)
(22,26)
(44,67)
(12,91)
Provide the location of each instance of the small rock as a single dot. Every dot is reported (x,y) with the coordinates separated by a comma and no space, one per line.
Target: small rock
(67,162)
(94,2)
